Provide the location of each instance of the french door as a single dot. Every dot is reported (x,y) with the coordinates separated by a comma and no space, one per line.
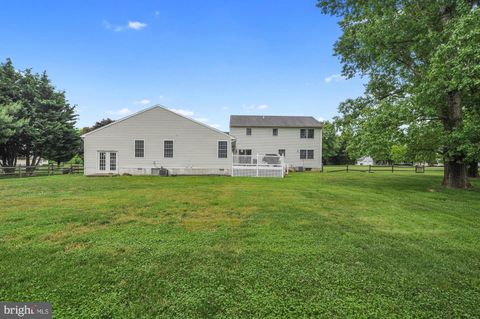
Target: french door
(107,161)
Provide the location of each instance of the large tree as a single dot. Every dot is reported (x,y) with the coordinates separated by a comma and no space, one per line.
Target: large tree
(97,124)
(40,123)
(420,56)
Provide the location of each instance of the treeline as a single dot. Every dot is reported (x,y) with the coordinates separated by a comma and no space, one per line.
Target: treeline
(36,120)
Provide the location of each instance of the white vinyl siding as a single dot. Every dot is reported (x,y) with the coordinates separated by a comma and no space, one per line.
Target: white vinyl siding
(195,145)
(288,139)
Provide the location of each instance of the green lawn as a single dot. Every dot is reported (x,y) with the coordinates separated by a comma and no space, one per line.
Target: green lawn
(310,245)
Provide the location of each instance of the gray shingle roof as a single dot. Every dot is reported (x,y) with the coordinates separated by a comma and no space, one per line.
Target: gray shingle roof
(273,121)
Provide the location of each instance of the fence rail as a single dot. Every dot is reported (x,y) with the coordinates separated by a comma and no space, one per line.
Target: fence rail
(383,168)
(44,170)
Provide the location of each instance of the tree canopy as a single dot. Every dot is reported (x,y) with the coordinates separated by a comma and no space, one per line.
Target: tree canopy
(422,62)
(36,120)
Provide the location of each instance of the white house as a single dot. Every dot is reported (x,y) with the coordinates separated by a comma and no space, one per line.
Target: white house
(297,138)
(154,138)
(366,160)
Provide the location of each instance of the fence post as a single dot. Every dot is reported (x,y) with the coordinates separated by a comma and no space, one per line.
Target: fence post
(19,171)
(369,168)
(392,168)
(347,168)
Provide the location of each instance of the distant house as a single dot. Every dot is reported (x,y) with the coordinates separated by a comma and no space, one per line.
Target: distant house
(297,138)
(156,138)
(366,160)
(22,161)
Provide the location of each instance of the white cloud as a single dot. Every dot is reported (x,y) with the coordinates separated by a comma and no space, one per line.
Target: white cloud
(121,112)
(203,120)
(320,119)
(225,108)
(183,112)
(334,78)
(157,13)
(142,101)
(255,106)
(136,25)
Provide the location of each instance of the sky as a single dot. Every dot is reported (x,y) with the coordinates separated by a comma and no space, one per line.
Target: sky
(205,59)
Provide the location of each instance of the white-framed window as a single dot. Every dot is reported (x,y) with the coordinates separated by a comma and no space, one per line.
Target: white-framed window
(248,131)
(222,149)
(303,133)
(102,161)
(113,161)
(168,148)
(275,132)
(307,133)
(139,148)
(306,154)
(310,133)
(245,152)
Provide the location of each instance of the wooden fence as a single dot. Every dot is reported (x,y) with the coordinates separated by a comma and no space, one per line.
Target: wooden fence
(44,170)
(382,168)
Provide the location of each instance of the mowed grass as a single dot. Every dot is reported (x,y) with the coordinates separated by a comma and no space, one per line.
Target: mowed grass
(310,245)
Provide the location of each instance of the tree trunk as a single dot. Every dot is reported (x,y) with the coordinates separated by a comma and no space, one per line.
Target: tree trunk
(455,175)
(473,169)
(455,171)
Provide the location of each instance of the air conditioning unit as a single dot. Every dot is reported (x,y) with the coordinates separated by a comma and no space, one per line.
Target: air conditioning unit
(159,171)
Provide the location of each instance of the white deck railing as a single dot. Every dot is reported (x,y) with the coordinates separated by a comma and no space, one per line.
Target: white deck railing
(258,165)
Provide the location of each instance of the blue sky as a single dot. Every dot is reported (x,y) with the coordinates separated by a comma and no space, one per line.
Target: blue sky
(207,59)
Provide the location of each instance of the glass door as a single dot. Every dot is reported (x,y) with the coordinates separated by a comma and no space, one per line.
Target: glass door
(107,161)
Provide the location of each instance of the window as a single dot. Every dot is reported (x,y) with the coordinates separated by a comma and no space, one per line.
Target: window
(102,160)
(249,131)
(244,152)
(113,161)
(139,148)
(167,148)
(309,154)
(306,154)
(307,133)
(222,149)
(303,133)
(310,133)
(281,152)
(275,132)
(303,154)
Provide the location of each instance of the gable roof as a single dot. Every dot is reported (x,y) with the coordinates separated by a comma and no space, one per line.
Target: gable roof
(157,106)
(273,121)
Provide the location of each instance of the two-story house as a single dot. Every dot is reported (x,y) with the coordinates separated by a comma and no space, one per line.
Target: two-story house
(297,138)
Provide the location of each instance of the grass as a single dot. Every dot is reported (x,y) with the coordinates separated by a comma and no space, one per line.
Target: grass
(310,245)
